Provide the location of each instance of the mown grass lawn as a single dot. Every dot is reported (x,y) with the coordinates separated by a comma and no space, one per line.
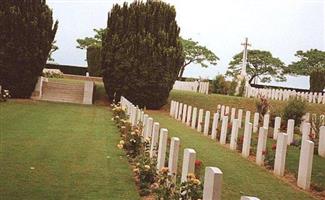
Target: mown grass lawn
(61,151)
(240,176)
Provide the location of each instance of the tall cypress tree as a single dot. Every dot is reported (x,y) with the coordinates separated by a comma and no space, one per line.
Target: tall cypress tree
(141,53)
(26,35)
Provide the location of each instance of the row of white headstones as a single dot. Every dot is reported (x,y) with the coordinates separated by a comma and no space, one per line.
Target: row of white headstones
(285,95)
(158,141)
(193,86)
(188,116)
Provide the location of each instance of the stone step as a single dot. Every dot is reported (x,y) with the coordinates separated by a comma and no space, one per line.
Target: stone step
(63,92)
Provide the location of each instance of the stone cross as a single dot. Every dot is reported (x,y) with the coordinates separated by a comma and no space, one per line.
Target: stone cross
(244,61)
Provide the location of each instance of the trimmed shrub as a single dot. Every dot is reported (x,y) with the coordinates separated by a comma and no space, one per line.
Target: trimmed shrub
(317,80)
(220,85)
(295,109)
(93,61)
(26,36)
(141,52)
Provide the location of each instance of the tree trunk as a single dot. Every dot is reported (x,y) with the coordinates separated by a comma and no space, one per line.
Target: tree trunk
(181,71)
(251,79)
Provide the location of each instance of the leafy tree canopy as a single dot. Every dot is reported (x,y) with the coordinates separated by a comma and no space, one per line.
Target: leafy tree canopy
(310,60)
(261,64)
(197,54)
(310,63)
(95,41)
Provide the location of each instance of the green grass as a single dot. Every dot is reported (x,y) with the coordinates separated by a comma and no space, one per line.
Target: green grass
(240,176)
(211,101)
(72,148)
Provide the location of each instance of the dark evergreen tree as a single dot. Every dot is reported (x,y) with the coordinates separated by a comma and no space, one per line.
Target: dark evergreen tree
(142,52)
(26,36)
(94,61)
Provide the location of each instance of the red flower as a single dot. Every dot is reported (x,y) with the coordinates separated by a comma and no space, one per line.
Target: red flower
(198,163)
(264,153)
(273,146)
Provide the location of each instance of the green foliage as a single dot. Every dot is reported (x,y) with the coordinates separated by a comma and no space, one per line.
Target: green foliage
(295,109)
(94,61)
(93,45)
(53,49)
(26,36)
(232,87)
(261,64)
(262,106)
(220,85)
(197,54)
(310,63)
(95,41)
(141,53)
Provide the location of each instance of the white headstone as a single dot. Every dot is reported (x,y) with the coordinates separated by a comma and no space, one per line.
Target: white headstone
(176,110)
(290,130)
(189,116)
(234,134)
(266,121)
(255,123)
(248,198)
(180,111)
(145,120)
(148,131)
(247,139)
(215,126)
(222,111)
(305,164)
(188,163)
(154,140)
(261,146)
(224,127)
(212,183)
(206,123)
(277,125)
(321,145)
(227,110)
(280,154)
(232,114)
(171,108)
(194,116)
(240,117)
(162,148)
(200,121)
(184,113)
(305,131)
(173,155)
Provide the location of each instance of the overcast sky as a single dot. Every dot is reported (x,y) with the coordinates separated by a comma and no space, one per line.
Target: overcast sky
(279,26)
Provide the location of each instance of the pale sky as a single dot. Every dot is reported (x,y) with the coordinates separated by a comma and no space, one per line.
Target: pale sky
(279,26)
